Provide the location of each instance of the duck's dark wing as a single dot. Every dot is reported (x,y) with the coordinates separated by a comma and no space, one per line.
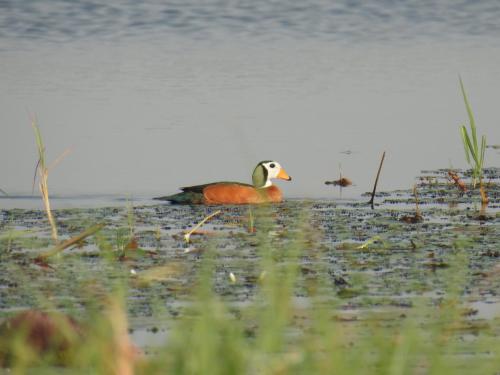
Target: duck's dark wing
(200,188)
(183,198)
(194,194)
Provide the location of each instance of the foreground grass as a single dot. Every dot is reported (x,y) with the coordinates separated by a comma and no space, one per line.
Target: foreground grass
(292,324)
(277,335)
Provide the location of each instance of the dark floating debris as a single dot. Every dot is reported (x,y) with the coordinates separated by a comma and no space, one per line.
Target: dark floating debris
(347,152)
(482,216)
(412,219)
(343,182)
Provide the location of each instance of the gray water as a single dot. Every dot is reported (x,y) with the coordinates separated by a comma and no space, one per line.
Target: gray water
(150,96)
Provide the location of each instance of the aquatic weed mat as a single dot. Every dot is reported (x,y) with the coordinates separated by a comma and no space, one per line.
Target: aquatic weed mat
(437,188)
(337,235)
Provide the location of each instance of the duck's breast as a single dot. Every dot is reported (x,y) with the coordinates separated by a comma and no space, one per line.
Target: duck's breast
(273,194)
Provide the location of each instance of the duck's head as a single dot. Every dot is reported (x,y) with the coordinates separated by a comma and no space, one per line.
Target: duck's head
(265,171)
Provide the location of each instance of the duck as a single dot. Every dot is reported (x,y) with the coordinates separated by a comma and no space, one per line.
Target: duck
(261,190)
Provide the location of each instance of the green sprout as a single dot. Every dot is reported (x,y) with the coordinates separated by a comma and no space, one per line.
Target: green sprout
(474,153)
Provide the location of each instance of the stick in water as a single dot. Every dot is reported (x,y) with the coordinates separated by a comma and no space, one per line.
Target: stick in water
(64,245)
(188,235)
(376,180)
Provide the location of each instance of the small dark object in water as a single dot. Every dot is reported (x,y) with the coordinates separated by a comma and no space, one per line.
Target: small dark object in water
(412,219)
(435,264)
(340,182)
(42,263)
(481,217)
(340,281)
(132,244)
(495,147)
(348,152)
(469,312)
(492,253)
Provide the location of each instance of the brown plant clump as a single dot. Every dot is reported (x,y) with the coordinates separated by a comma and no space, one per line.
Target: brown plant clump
(453,176)
(34,337)
(40,335)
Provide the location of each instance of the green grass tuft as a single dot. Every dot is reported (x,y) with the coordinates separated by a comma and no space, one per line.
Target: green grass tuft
(474,152)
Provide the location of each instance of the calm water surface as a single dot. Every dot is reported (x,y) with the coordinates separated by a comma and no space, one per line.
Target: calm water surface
(155,95)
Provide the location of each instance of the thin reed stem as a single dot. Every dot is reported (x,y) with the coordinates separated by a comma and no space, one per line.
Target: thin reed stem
(376,180)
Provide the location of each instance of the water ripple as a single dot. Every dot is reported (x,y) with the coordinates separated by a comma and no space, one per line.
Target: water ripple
(350,20)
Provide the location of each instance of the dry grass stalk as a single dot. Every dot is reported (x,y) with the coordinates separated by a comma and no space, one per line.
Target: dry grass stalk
(418,214)
(484,196)
(71,241)
(369,242)
(188,234)
(124,353)
(42,170)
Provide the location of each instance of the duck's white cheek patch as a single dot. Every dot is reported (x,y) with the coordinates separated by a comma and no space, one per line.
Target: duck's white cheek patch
(272,172)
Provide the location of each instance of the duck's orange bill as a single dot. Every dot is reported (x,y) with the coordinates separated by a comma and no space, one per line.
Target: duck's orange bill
(283,175)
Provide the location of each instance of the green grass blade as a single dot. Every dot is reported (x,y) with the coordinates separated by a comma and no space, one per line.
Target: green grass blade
(483,149)
(469,150)
(463,133)
(471,118)
(4,192)
(39,143)
(34,176)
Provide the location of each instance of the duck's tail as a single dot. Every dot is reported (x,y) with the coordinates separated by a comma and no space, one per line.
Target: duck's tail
(183,198)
